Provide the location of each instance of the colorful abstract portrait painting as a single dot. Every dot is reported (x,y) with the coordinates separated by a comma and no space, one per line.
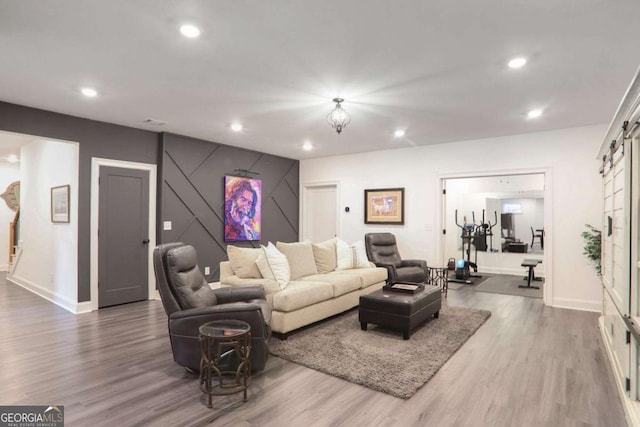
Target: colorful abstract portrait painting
(242,208)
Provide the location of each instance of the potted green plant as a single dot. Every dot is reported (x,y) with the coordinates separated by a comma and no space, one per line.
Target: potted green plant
(592,245)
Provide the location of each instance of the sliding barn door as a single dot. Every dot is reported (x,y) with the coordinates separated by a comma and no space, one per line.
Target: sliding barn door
(615,262)
(615,230)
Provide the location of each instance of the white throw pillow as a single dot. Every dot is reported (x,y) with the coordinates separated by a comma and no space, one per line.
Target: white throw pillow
(351,256)
(273,264)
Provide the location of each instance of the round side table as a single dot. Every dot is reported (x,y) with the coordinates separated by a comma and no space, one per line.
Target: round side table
(223,343)
(439,276)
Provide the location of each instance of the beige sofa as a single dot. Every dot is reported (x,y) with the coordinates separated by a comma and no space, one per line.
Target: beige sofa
(318,288)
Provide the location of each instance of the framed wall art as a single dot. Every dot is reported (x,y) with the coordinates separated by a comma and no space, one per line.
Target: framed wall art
(384,206)
(60,203)
(242,209)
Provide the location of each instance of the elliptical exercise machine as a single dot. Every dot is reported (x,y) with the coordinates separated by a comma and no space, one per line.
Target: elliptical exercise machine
(482,231)
(463,266)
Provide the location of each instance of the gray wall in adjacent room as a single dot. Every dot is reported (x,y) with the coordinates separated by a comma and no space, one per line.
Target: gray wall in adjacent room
(96,139)
(192,195)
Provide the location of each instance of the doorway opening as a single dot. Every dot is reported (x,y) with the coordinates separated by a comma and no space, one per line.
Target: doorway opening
(495,223)
(45,235)
(127,184)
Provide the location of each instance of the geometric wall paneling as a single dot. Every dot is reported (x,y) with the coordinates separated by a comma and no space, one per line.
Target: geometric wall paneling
(293,179)
(196,234)
(192,194)
(224,161)
(287,202)
(176,211)
(280,229)
(192,200)
(188,161)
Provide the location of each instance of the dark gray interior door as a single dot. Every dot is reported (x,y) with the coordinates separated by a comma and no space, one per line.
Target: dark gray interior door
(123,241)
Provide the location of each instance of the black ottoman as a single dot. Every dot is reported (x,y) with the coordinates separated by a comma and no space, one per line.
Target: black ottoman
(399,310)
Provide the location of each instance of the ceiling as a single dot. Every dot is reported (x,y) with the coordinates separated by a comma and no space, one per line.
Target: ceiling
(434,68)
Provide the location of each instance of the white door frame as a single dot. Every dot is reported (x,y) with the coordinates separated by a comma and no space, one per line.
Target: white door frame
(96,163)
(305,216)
(547,289)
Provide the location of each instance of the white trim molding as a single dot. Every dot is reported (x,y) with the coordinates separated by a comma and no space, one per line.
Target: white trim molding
(577,304)
(547,289)
(96,163)
(59,300)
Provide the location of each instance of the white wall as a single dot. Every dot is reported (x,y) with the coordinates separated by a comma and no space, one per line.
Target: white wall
(48,264)
(576,188)
(9,172)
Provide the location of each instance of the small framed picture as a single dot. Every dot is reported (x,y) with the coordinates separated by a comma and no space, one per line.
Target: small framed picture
(384,206)
(60,203)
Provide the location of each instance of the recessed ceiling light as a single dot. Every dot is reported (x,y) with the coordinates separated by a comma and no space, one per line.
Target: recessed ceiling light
(399,133)
(12,158)
(517,62)
(89,92)
(307,146)
(534,114)
(190,31)
(236,127)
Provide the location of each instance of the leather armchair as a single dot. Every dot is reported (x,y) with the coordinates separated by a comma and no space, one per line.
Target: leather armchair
(383,252)
(189,302)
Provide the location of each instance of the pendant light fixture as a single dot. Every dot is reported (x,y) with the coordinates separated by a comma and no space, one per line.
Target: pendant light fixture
(338,118)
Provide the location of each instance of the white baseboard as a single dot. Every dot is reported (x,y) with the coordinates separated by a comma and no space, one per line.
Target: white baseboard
(69,305)
(631,407)
(577,304)
(83,307)
(4,267)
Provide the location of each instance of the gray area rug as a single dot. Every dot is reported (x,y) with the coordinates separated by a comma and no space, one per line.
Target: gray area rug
(379,358)
(509,285)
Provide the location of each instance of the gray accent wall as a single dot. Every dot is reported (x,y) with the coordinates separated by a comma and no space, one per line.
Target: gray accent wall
(190,180)
(192,195)
(96,139)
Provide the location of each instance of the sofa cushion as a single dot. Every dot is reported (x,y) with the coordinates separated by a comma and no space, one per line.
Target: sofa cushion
(351,256)
(342,283)
(243,261)
(325,255)
(367,276)
(300,256)
(301,294)
(273,264)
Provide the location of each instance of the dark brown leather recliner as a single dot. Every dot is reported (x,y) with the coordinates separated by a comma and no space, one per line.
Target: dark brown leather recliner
(383,252)
(189,302)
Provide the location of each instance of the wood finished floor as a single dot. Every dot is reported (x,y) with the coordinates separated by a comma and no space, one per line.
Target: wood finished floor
(528,365)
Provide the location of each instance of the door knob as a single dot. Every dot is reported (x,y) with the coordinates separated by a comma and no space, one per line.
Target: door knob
(145,241)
